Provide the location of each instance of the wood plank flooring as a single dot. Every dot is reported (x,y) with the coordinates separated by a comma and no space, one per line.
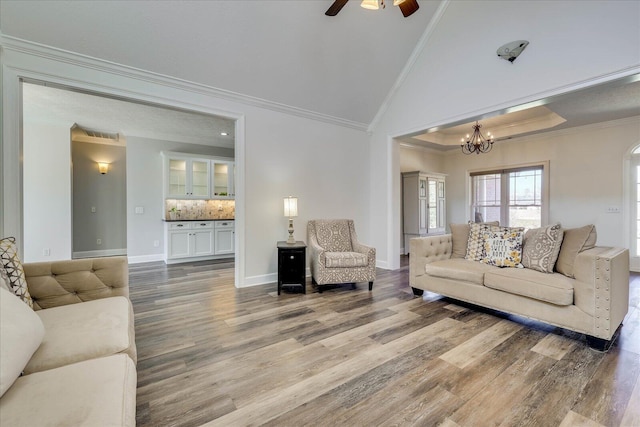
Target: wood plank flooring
(211,354)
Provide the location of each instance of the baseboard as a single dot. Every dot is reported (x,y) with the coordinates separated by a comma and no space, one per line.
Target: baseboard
(263,279)
(99,253)
(139,259)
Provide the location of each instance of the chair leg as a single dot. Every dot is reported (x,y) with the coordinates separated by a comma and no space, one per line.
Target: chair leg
(370,286)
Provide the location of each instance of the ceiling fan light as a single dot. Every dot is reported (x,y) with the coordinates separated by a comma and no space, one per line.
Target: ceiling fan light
(370,4)
(398,2)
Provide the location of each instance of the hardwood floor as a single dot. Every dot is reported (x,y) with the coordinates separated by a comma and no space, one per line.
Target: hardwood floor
(211,354)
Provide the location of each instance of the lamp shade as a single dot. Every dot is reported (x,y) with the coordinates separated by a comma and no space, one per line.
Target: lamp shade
(370,4)
(290,206)
(103,167)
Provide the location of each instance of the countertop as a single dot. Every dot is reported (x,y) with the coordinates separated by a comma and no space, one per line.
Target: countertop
(193,220)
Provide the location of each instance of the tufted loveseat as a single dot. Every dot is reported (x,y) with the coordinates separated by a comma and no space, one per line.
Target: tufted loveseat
(593,302)
(80,366)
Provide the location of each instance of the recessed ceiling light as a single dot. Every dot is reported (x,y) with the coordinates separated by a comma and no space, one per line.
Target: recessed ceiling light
(224,133)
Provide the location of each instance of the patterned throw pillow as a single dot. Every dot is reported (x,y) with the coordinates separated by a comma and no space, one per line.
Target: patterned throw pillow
(542,247)
(503,247)
(475,244)
(10,262)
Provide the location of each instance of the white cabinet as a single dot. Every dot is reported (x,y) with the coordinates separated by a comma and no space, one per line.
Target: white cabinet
(189,239)
(223,181)
(187,178)
(198,177)
(423,205)
(198,240)
(224,237)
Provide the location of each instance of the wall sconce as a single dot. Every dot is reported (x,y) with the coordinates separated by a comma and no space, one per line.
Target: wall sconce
(103,167)
(291,210)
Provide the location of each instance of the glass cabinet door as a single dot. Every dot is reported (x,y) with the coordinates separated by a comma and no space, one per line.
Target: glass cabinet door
(177,177)
(200,178)
(223,173)
(433,205)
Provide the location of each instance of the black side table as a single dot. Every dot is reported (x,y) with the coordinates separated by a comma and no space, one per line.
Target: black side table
(292,264)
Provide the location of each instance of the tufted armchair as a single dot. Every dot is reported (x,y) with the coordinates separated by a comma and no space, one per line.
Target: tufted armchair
(337,256)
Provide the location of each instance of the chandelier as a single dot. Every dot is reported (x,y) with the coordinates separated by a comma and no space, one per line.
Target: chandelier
(477,143)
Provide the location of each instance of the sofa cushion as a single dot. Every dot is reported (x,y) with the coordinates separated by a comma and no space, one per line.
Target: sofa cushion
(98,392)
(459,269)
(84,331)
(541,248)
(21,332)
(12,265)
(345,259)
(334,235)
(503,247)
(553,288)
(575,241)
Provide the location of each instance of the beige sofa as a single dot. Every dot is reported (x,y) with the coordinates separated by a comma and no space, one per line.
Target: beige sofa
(77,346)
(593,302)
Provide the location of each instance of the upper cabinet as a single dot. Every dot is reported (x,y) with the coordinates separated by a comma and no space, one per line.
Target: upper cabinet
(201,177)
(223,179)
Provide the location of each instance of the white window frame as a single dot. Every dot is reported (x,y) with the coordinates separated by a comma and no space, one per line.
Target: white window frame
(544,210)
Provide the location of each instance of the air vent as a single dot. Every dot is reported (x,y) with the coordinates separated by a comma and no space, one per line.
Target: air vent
(102,135)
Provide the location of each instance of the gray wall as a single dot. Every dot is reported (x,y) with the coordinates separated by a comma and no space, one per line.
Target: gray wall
(106,193)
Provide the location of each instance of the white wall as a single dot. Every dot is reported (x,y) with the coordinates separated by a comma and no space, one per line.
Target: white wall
(585,174)
(457,75)
(325,166)
(47,191)
(278,152)
(415,158)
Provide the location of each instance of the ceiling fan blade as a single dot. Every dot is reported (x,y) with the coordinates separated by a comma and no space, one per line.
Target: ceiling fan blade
(408,7)
(335,7)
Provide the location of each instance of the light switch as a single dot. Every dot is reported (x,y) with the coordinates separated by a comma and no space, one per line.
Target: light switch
(139,210)
(93,209)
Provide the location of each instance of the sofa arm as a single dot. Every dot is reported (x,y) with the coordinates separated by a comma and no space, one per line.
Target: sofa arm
(57,283)
(425,250)
(602,276)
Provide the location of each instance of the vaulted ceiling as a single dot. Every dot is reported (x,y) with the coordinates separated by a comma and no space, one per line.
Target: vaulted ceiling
(286,52)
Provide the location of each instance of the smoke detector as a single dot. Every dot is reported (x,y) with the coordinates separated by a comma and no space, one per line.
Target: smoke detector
(510,51)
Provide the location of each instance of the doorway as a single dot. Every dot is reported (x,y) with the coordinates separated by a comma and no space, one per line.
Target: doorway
(99,193)
(48,169)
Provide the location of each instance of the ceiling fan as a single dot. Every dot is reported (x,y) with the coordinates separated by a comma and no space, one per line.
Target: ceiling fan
(408,7)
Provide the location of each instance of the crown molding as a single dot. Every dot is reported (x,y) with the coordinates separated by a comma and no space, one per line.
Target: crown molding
(426,35)
(15,44)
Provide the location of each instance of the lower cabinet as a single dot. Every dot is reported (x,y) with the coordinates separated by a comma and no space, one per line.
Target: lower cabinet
(224,237)
(198,240)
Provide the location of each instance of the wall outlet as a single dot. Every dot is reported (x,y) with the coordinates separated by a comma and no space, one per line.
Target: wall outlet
(99,242)
(139,210)
(93,209)
(46,252)
(613,209)
(156,243)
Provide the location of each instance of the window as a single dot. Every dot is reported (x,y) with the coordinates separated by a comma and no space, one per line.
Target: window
(514,197)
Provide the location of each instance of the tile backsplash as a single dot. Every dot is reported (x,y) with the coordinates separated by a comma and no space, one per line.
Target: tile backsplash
(200,209)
